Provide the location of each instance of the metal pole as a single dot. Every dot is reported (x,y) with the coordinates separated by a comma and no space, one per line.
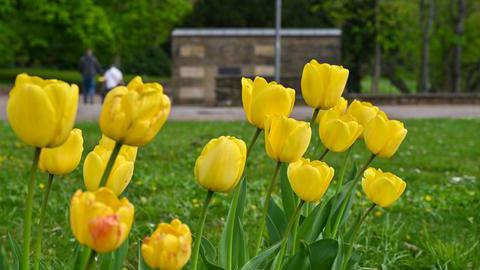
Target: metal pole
(278,45)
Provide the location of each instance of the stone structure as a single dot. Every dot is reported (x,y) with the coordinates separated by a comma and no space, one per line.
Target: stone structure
(208,63)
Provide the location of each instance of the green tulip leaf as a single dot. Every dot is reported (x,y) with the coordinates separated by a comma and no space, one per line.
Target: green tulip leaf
(240,255)
(339,210)
(323,253)
(276,222)
(120,255)
(208,254)
(235,212)
(314,224)
(300,260)
(289,200)
(209,249)
(261,259)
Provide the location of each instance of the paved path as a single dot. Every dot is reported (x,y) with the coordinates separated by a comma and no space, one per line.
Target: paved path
(90,112)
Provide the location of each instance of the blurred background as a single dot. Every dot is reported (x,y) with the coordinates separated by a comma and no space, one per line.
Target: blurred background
(422,47)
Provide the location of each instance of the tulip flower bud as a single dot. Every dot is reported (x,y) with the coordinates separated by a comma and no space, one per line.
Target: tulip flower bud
(169,247)
(363,112)
(309,179)
(338,132)
(133,115)
(42,112)
(286,139)
(221,163)
(323,84)
(100,220)
(340,108)
(122,170)
(261,98)
(63,159)
(383,136)
(382,188)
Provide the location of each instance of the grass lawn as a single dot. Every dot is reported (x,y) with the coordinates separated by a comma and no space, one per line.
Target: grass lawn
(433,226)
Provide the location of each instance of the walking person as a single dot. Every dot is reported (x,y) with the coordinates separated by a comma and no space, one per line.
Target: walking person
(89,67)
(113,77)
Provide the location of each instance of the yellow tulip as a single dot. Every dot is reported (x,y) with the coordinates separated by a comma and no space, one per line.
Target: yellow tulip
(42,112)
(261,98)
(122,170)
(383,136)
(382,188)
(286,139)
(338,132)
(309,179)
(363,111)
(169,247)
(323,84)
(134,114)
(341,107)
(221,163)
(100,220)
(63,159)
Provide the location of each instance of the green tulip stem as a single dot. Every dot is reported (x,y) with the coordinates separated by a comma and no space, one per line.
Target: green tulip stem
(252,142)
(91,265)
(266,204)
(343,206)
(110,163)
(41,222)
(365,166)
(355,234)
(27,226)
(291,222)
(341,177)
(85,259)
(199,232)
(314,116)
(325,152)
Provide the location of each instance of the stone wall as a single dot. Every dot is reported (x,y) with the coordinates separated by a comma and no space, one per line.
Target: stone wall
(201,62)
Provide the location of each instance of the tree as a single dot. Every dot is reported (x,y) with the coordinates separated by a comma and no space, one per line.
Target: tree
(426,20)
(377,62)
(357,36)
(458,13)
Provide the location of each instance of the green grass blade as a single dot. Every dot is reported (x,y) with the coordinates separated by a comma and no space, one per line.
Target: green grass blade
(16,253)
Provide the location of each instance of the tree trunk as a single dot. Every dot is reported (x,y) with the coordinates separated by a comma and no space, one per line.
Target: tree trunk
(377,63)
(458,9)
(397,81)
(426,21)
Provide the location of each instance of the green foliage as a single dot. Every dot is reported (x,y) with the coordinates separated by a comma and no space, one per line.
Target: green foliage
(8,75)
(55,34)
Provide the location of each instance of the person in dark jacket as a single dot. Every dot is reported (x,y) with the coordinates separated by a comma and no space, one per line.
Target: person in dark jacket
(89,67)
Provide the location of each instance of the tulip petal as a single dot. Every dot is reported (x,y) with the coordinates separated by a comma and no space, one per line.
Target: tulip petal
(273,100)
(32,115)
